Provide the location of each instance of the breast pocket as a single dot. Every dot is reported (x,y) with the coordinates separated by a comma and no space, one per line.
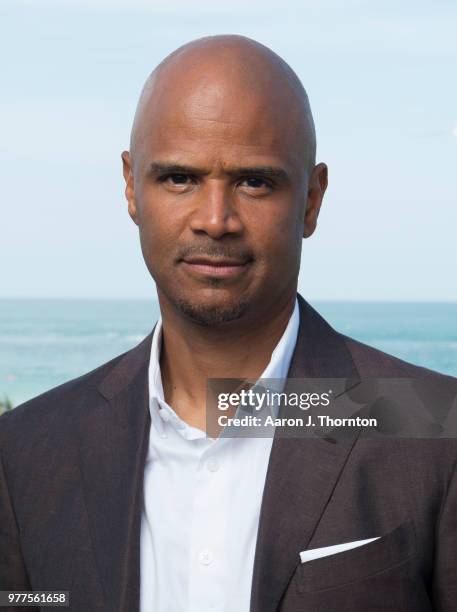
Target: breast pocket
(388,551)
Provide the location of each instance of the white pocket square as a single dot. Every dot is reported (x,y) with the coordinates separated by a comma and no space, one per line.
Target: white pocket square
(317,553)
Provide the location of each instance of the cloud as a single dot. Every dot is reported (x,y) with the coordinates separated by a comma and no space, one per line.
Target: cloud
(454,132)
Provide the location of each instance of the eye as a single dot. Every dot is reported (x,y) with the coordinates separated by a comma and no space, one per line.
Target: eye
(177,182)
(256,184)
(175,179)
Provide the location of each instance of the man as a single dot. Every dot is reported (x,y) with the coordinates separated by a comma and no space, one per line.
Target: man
(110,488)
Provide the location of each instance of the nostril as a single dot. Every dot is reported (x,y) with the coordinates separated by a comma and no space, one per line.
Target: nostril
(216,225)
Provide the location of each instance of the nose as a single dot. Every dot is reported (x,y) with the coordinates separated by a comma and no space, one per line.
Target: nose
(215,212)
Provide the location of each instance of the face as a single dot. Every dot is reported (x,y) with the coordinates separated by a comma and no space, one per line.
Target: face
(219,188)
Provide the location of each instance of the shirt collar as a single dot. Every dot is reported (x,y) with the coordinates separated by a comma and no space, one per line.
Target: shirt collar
(277,368)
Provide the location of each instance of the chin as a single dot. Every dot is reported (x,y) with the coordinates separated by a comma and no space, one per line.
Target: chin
(210,314)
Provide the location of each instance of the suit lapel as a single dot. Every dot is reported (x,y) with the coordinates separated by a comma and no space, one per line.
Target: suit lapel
(302,473)
(113,444)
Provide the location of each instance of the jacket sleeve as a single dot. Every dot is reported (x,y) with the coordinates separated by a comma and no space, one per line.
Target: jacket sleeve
(13,575)
(445,566)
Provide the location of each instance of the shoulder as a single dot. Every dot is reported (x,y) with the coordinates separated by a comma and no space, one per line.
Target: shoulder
(329,347)
(372,362)
(72,396)
(435,454)
(437,390)
(56,410)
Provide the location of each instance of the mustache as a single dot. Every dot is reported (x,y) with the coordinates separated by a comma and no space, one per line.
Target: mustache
(216,250)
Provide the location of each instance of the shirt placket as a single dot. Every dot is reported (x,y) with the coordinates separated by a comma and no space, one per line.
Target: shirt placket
(208,560)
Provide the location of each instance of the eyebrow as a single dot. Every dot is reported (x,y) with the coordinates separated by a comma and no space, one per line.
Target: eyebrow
(273,172)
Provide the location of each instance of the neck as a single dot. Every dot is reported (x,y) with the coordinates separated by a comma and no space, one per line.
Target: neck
(192,353)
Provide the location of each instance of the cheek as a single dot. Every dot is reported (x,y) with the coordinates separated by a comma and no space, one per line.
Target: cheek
(279,235)
(159,228)
(156,242)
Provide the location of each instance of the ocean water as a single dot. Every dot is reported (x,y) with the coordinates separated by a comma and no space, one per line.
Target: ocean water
(46,342)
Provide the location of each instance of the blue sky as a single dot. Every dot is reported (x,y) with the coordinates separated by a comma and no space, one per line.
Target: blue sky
(382,83)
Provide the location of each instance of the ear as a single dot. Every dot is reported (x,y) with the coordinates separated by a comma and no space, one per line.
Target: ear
(316,188)
(129,186)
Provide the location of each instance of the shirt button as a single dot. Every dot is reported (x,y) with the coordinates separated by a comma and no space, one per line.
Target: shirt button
(205,557)
(212,465)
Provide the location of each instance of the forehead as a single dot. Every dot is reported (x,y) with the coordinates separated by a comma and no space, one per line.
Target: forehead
(213,114)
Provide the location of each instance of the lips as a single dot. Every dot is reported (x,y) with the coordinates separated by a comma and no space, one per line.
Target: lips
(215,266)
(214,261)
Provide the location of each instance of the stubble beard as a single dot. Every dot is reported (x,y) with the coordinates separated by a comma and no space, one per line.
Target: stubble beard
(210,316)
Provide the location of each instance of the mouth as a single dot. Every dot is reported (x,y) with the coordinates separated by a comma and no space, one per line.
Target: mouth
(216,267)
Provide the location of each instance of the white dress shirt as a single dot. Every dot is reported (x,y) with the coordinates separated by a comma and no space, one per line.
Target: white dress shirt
(202,499)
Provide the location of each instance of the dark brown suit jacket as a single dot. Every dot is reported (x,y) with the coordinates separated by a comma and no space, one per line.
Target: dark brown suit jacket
(71,491)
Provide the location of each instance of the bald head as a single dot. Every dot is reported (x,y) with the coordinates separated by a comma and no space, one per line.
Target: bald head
(230,79)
